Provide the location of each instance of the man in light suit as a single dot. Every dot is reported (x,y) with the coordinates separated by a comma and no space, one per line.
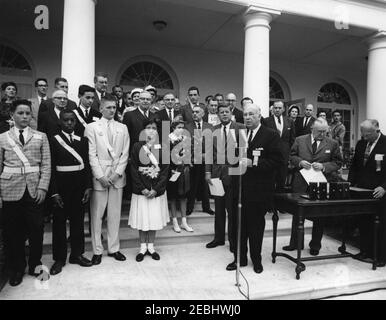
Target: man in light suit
(41,85)
(108,152)
(322,154)
(225,137)
(286,129)
(303,125)
(25,167)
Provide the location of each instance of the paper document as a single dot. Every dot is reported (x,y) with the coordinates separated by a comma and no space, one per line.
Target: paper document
(311,175)
(359,189)
(175,176)
(216,188)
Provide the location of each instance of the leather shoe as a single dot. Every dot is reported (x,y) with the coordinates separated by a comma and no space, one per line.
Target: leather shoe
(56,268)
(154,255)
(82,261)
(258,268)
(117,256)
(290,248)
(189,212)
(314,252)
(209,211)
(16,279)
(361,256)
(139,257)
(214,244)
(233,266)
(381,264)
(96,259)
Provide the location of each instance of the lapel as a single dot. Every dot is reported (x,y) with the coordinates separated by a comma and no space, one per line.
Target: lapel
(140,115)
(65,138)
(308,143)
(29,136)
(375,150)
(322,145)
(52,113)
(14,137)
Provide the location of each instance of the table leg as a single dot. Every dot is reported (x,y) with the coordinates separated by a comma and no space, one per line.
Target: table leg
(342,248)
(275,219)
(300,231)
(375,243)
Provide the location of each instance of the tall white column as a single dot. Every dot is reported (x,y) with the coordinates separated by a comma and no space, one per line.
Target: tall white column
(376,79)
(78,49)
(256,56)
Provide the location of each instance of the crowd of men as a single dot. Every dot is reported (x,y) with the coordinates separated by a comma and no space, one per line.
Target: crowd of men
(66,158)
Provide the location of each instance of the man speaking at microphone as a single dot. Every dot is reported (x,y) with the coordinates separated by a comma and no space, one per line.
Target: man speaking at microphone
(263,160)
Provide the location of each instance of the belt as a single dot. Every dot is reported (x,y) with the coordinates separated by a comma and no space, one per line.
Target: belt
(70,168)
(21,170)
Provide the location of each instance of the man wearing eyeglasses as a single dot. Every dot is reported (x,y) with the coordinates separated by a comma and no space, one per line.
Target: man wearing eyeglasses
(237,115)
(41,85)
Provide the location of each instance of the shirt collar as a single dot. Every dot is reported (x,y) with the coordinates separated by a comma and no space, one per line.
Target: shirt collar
(143,113)
(67,135)
(84,109)
(105,121)
(25,131)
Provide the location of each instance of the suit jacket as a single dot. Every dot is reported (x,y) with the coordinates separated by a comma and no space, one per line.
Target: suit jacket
(49,123)
(187,114)
(96,103)
(135,123)
(62,181)
(37,151)
(299,129)
(198,141)
(258,181)
(367,176)
(287,137)
(238,115)
(49,104)
(220,167)
(142,181)
(96,133)
(93,116)
(327,153)
(35,106)
(161,116)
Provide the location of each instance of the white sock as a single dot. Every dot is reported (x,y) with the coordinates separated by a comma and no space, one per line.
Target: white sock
(150,247)
(143,248)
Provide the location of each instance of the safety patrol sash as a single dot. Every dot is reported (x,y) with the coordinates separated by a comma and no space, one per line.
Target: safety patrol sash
(69,149)
(18,151)
(81,120)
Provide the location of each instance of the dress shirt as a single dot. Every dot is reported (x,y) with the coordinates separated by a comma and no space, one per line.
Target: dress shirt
(69,136)
(374,143)
(317,142)
(57,111)
(253,132)
(280,125)
(84,110)
(25,132)
(146,115)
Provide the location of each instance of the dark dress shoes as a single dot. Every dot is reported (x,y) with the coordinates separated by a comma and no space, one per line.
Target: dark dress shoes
(290,248)
(209,211)
(35,271)
(233,266)
(96,259)
(154,255)
(314,252)
(381,264)
(214,244)
(361,256)
(80,260)
(117,256)
(258,267)
(139,257)
(16,279)
(56,268)
(188,212)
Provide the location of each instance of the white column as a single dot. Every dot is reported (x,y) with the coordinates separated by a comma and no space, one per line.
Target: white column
(78,49)
(256,56)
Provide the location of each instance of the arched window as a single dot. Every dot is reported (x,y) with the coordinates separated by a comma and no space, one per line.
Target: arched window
(334,93)
(276,92)
(11,61)
(144,73)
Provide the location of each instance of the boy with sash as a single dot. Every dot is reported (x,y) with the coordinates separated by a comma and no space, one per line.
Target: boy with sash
(70,190)
(84,113)
(108,153)
(25,171)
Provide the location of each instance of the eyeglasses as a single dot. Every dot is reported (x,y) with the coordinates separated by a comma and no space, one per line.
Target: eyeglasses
(61,98)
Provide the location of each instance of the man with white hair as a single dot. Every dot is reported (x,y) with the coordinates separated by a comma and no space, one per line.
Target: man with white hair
(368,170)
(263,159)
(321,153)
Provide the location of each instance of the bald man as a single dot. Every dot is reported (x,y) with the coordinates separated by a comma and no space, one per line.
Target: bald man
(263,160)
(368,170)
(231,101)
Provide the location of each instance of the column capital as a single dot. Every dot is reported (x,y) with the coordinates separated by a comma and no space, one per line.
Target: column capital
(377,40)
(259,16)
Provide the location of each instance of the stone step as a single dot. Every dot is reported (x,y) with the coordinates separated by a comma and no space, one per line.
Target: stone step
(202,223)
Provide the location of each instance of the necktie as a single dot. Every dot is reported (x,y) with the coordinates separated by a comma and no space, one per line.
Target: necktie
(250,137)
(305,121)
(314,146)
(109,133)
(71,140)
(21,137)
(278,120)
(198,125)
(86,113)
(367,153)
(225,138)
(170,115)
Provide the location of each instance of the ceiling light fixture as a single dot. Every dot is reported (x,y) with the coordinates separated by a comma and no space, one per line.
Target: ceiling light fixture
(159,25)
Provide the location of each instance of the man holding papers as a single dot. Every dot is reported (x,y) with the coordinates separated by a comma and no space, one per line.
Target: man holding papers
(225,137)
(318,153)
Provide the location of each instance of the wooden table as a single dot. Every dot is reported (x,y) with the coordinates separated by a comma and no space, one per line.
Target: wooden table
(303,208)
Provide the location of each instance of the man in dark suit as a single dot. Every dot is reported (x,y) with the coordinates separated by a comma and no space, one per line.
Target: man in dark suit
(167,114)
(41,85)
(60,84)
(303,125)
(193,100)
(368,170)
(262,160)
(198,130)
(286,129)
(321,153)
(100,83)
(49,122)
(84,113)
(237,115)
(70,163)
(225,137)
